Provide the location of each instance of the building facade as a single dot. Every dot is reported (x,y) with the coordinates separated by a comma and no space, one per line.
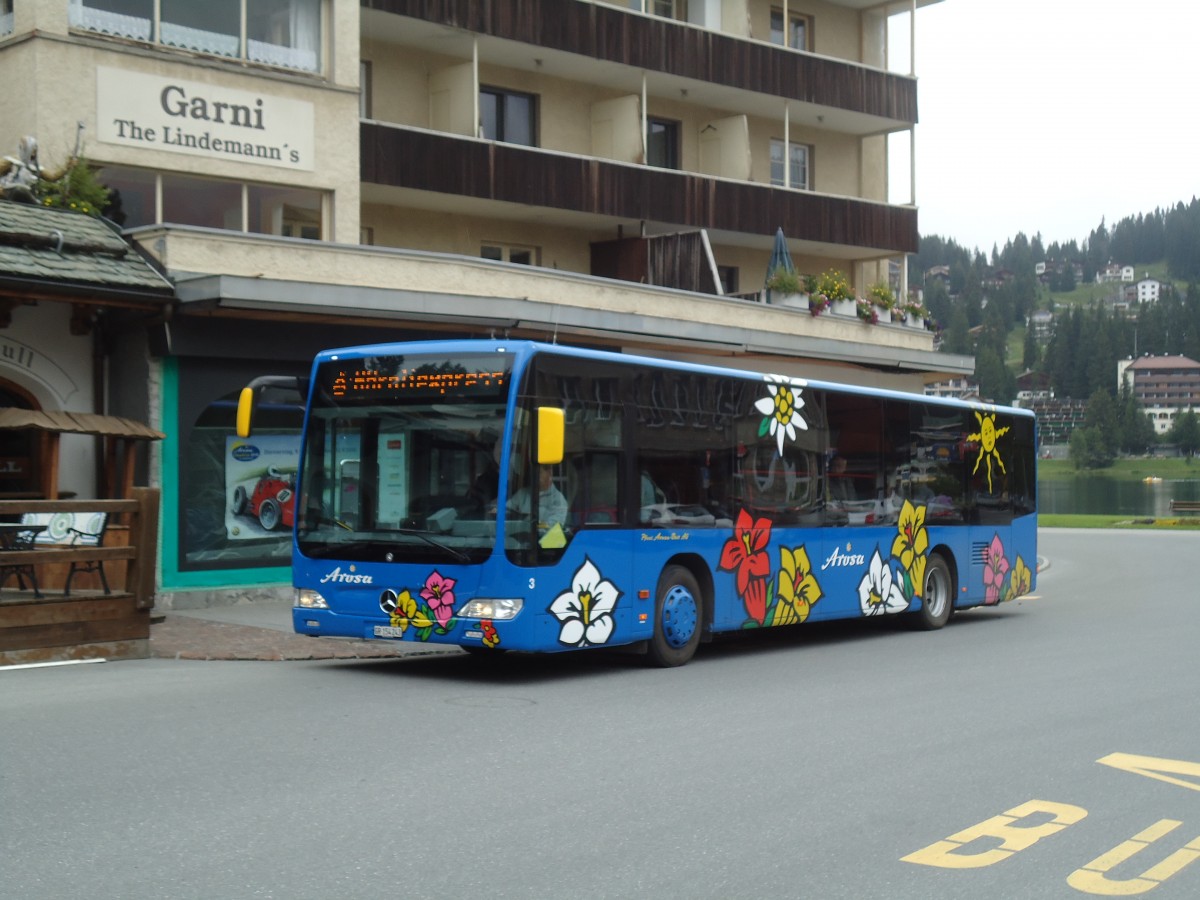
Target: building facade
(1164,385)
(310,173)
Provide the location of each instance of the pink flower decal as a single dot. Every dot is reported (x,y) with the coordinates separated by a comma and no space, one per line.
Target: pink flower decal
(439,594)
(995,570)
(746,554)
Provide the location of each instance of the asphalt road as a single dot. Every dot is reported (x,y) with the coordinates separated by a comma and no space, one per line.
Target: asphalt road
(845,761)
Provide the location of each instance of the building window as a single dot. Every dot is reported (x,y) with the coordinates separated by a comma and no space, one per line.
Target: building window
(138,195)
(669,9)
(284,33)
(6,17)
(729,279)
(662,143)
(797,172)
(364,89)
(508,116)
(511,253)
(796,35)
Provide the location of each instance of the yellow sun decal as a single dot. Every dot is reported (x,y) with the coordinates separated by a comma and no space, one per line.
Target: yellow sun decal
(987,436)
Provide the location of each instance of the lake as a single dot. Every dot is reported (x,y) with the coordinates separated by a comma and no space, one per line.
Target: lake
(1100,495)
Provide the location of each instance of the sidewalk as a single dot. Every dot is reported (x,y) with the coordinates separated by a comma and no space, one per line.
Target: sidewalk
(262,631)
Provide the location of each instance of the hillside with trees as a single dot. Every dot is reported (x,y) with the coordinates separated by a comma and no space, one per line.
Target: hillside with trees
(983,304)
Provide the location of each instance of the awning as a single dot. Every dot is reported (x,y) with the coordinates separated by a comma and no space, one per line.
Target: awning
(12,418)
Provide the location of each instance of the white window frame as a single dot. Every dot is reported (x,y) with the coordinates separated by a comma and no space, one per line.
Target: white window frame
(788,181)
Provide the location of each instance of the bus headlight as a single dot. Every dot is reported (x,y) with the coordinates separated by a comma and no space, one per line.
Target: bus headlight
(497,610)
(309,599)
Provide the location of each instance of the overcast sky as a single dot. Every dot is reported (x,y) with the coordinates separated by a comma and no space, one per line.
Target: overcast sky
(1045,116)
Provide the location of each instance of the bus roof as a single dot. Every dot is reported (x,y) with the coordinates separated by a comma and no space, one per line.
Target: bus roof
(523,349)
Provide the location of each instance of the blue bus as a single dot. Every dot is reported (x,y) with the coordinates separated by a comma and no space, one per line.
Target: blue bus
(509,495)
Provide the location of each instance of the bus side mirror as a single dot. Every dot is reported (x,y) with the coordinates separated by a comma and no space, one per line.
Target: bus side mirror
(551,435)
(250,394)
(245,412)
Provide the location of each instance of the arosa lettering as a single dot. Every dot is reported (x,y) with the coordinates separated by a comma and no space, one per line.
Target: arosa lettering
(175,102)
(339,577)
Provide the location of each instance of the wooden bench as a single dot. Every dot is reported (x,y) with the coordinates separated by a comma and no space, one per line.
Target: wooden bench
(1185,506)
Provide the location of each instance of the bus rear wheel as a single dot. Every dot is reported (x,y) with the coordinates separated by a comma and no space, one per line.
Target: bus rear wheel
(937,597)
(678,618)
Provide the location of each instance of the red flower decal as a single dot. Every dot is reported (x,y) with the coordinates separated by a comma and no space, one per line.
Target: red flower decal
(746,555)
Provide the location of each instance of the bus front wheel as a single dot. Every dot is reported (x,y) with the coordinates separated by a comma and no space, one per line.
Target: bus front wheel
(678,618)
(937,599)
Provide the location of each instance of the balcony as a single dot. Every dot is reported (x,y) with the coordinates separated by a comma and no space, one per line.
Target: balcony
(602,192)
(601,45)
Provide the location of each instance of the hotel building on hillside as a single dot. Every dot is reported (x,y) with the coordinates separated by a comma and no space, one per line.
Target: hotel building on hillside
(313,173)
(1164,385)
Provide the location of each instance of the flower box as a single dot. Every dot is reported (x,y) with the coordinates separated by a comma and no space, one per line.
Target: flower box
(843,307)
(794,301)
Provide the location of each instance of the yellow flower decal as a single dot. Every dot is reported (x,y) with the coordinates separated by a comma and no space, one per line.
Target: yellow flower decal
(409,612)
(798,589)
(912,544)
(1019,581)
(987,436)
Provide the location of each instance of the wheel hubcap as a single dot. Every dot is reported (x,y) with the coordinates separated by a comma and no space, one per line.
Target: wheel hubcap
(679,616)
(935,594)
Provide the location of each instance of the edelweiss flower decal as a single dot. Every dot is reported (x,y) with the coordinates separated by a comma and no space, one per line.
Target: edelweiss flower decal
(586,609)
(798,589)
(782,409)
(878,593)
(439,594)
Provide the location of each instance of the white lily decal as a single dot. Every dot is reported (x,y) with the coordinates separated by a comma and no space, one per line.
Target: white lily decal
(586,609)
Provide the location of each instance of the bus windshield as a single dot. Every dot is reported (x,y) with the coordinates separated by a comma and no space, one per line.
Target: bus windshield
(402,458)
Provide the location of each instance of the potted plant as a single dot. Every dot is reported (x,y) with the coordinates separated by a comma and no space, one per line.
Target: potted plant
(786,287)
(836,289)
(915,313)
(817,304)
(881,295)
(866,311)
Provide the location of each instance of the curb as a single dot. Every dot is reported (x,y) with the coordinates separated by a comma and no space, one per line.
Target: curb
(185,637)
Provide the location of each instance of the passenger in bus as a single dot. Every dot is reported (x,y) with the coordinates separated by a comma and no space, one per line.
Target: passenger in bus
(841,488)
(552,505)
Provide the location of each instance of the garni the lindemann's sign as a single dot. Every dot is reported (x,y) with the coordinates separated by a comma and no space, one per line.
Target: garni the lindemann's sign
(157,113)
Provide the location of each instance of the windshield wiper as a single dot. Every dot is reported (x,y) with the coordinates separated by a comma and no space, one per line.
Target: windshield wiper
(425,536)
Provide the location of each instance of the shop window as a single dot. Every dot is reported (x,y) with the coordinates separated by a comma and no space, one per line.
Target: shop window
(662,143)
(508,116)
(235,505)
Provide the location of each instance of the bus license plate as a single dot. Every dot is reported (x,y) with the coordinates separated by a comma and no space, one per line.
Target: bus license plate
(388,631)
